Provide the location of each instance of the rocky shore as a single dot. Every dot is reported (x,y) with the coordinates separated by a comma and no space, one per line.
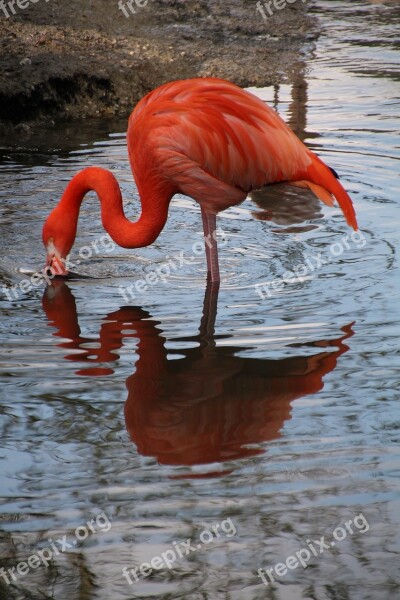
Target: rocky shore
(72,60)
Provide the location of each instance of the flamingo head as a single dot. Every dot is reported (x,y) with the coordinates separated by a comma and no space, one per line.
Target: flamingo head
(54,261)
(58,243)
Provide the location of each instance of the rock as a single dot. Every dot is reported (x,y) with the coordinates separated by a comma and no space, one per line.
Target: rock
(88,58)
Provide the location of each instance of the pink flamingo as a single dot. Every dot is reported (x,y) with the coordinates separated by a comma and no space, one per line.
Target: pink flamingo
(206,138)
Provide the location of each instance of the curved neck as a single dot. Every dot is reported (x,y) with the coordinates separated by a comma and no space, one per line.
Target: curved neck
(155,197)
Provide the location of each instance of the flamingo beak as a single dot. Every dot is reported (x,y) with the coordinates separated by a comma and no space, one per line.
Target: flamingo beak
(56,265)
(54,262)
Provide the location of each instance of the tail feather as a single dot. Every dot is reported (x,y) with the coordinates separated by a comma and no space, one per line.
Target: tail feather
(318,190)
(325,185)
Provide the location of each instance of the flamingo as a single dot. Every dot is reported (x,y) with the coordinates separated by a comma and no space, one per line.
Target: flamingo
(205,138)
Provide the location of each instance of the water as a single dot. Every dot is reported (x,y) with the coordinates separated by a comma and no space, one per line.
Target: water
(274,414)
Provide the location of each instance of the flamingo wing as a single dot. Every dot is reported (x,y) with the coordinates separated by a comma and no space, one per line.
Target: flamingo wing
(215,142)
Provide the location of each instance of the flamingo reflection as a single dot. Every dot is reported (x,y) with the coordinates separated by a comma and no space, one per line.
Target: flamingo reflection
(208,404)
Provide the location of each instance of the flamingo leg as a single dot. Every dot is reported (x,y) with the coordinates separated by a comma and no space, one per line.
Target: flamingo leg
(207,325)
(210,241)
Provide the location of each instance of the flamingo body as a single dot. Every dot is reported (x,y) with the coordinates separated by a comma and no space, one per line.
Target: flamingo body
(207,139)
